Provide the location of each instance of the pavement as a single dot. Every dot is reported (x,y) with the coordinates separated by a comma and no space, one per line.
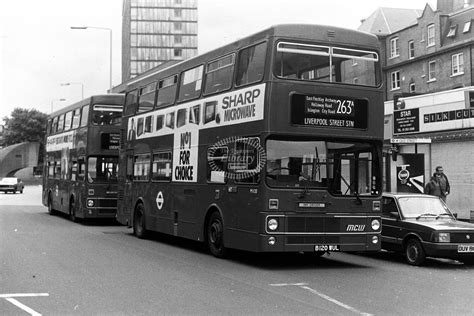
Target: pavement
(31,196)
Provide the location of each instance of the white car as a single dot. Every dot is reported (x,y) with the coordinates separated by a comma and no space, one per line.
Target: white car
(10,184)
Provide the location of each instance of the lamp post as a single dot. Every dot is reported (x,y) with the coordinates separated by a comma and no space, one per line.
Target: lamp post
(100,28)
(52,101)
(71,83)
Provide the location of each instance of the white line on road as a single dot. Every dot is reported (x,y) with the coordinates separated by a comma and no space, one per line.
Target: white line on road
(324,296)
(23,307)
(23,295)
(10,298)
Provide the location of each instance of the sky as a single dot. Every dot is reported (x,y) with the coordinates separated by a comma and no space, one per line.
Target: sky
(39,51)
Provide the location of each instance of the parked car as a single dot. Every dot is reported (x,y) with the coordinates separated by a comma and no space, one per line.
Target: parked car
(421,226)
(10,184)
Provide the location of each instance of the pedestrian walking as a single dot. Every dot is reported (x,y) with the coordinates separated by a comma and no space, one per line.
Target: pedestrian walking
(433,187)
(443,183)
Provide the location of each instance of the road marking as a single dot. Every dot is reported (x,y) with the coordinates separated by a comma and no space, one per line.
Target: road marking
(23,295)
(324,296)
(10,298)
(23,307)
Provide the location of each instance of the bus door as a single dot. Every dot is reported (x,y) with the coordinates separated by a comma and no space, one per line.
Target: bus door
(162,195)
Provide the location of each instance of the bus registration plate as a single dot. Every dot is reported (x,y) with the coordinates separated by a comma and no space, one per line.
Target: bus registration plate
(326,248)
(465,248)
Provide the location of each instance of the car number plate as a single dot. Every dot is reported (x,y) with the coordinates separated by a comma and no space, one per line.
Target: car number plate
(326,248)
(465,248)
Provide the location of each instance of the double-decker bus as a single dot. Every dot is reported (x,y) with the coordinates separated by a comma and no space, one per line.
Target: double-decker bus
(81,158)
(272,143)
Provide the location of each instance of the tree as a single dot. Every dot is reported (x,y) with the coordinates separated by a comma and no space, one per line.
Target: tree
(25,125)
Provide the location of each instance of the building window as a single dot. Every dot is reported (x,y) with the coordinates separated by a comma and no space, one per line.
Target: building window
(178,39)
(412,87)
(432,70)
(177,13)
(178,52)
(395,76)
(467,27)
(452,30)
(178,26)
(411,49)
(457,64)
(394,49)
(431,35)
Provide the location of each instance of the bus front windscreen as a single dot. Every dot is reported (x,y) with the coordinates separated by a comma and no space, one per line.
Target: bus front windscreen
(311,62)
(342,168)
(102,169)
(106,114)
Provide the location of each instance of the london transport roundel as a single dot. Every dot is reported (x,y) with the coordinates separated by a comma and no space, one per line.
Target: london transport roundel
(159,200)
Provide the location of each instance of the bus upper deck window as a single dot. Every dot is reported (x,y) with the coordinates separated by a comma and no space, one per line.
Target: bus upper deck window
(131,102)
(251,64)
(191,83)
(167,91)
(146,99)
(85,115)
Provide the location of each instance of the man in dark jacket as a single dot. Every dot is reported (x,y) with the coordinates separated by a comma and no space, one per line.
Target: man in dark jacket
(443,183)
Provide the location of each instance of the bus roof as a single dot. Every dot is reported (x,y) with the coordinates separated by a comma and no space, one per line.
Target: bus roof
(86,101)
(311,32)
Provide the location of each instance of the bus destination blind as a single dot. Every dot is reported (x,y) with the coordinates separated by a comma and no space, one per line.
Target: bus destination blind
(328,111)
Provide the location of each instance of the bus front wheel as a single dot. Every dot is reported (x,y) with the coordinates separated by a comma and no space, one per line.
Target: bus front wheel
(215,235)
(139,226)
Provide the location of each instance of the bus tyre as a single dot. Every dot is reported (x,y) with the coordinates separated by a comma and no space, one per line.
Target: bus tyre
(139,226)
(414,253)
(215,235)
(50,205)
(72,211)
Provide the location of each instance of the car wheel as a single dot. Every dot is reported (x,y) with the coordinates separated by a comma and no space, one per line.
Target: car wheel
(139,225)
(414,253)
(215,235)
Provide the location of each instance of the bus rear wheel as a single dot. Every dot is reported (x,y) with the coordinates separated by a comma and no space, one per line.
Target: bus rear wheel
(215,235)
(139,226)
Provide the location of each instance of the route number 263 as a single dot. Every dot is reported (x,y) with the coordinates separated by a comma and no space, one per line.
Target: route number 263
(345,107)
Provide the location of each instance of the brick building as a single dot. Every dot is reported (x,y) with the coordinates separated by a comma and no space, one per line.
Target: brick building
(428,58)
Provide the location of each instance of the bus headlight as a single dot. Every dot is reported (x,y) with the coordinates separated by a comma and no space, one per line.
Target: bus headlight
(90,203)
(272,224)
(375,239)
(375,224)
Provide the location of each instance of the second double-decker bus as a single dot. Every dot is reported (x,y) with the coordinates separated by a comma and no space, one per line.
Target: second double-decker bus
(272,143)
(81,158)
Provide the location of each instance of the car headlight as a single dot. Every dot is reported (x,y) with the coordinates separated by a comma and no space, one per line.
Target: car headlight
(272,224)
(442,237)
(375,224)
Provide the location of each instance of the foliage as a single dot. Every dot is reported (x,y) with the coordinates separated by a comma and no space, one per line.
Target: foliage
(25,125)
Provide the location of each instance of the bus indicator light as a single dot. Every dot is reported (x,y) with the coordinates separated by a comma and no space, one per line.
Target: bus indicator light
(271,240)
(273,204)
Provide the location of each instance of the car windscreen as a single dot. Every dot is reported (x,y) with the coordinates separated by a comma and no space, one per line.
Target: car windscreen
(412,207)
